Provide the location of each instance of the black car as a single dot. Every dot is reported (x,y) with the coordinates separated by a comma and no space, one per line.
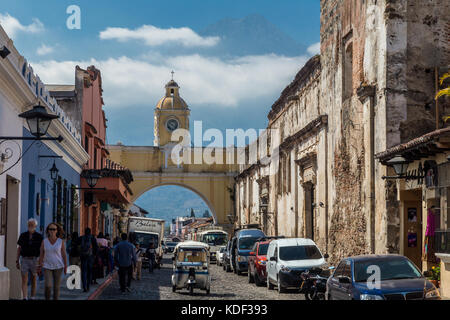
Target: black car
(379,277)
(169,247)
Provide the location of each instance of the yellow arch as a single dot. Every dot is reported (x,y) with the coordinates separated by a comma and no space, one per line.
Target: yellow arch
(151,167)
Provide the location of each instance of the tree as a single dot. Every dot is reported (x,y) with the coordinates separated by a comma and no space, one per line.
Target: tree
(192,213)
(206,214)
(444,92)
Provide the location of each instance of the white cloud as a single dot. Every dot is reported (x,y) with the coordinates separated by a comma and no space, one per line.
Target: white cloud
(153,36)
(204,81)
(13,26)
(44,50)
(314,49)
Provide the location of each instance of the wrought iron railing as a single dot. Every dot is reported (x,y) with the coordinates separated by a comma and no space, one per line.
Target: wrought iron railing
(442,241)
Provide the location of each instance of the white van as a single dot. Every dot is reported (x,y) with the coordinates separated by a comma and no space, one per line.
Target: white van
(288,258)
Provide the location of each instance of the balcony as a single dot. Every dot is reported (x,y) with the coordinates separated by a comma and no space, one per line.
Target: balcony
(115,180)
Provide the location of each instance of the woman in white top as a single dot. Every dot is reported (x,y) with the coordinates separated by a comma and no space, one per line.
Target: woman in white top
(53,260)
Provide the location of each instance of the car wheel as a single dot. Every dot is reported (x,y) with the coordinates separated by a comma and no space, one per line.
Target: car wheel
(174,288)
(228,268)
(281,289)
(269,285)
(250,277)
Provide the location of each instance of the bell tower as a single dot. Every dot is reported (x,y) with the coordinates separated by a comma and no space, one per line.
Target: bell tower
(171,113)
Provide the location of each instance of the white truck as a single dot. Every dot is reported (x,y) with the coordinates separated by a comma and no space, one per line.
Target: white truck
(146,231)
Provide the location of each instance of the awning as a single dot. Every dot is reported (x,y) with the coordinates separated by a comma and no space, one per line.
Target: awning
(425,146)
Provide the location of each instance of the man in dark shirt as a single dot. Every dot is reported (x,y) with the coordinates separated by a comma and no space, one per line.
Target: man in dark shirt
(88,250)
(125,258)
(28,251)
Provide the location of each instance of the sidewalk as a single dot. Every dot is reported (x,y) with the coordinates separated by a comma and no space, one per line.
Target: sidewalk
(66,294)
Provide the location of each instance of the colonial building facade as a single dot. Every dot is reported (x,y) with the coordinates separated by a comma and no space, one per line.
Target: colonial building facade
(371,88)
(27,189)
(101,210)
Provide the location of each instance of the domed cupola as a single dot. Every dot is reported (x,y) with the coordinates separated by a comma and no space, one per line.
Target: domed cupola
(172,99)
(171,113)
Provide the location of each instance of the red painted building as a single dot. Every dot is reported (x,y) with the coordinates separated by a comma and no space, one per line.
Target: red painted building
(99,209)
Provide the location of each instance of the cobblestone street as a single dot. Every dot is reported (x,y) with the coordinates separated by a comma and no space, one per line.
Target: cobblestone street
(229,286)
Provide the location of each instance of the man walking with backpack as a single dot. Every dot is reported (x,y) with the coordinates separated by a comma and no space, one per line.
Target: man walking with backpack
(88,250)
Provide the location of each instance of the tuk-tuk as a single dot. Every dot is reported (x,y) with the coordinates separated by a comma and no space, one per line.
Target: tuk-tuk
(191,267)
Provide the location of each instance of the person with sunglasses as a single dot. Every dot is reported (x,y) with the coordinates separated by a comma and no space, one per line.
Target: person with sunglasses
(53,260)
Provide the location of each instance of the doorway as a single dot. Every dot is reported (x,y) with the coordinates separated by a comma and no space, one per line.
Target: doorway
(412,231)
(12,234)
(309,191)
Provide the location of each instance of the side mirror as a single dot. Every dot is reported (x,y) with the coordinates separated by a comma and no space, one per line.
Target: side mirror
(344,280)
(273,259)
(427,274)
(326,256)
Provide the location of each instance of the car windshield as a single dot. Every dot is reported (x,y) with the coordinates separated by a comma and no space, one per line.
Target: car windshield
(246,243)
(144,239)
(299,253)
(390,269)
(262,251)
(216,239)
(171,244)
(191,255)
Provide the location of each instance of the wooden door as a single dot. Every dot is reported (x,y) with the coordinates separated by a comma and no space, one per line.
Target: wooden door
(412,233)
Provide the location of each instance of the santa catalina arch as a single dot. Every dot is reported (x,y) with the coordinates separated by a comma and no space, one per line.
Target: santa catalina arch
(153,166)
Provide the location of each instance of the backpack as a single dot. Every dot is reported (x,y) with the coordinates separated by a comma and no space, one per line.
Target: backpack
(86,246)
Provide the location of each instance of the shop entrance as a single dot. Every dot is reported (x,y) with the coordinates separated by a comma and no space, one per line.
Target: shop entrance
(412,231)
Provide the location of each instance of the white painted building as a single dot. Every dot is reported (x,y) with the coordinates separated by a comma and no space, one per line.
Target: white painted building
(20,90)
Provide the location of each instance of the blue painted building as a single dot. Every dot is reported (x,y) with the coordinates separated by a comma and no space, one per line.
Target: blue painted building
(44,199)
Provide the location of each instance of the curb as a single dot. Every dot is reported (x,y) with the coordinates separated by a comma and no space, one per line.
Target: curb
(102,287)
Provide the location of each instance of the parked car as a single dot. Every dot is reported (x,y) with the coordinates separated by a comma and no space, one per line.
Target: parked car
(399,278)
(220,255)
(242,244)
(288,259)
(227,257)
(257,263)
(169,247)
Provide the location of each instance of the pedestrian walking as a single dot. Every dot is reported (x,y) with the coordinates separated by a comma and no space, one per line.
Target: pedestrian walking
(138,269)
(116,241)
(125,259)
(28,251)
(101,258)
(151,254)
(53,260)
(110,264)
(88,250)
(74,249)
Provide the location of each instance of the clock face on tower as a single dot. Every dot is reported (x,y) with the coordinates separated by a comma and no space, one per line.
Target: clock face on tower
(172,125)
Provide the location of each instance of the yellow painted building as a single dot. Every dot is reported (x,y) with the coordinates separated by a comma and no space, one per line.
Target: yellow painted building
(154,166)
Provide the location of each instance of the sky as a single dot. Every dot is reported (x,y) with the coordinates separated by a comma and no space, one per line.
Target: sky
(137,43)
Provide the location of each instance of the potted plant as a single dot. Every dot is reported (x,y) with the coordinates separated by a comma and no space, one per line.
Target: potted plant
(436,276)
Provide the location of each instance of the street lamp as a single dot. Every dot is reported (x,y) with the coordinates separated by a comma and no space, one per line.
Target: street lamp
(38,120)
(400,165)
(54,172)
(92,179)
